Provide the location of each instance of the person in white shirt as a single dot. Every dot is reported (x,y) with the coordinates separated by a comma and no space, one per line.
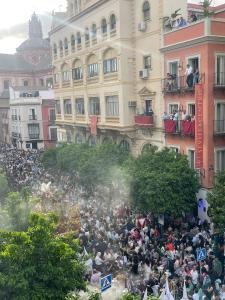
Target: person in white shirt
(194,276)
(189,75)
(195,295)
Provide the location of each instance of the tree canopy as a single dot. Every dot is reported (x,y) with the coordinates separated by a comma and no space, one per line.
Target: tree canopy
(37,264)
(4,187)
(216,199)
(162,182)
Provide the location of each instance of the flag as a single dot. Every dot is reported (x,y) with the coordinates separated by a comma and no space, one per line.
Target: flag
(185,296)
(145,295)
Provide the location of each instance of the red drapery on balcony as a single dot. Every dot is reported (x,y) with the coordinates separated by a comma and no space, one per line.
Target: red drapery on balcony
(144,120)
(188,127)
(170,126)
(93,125)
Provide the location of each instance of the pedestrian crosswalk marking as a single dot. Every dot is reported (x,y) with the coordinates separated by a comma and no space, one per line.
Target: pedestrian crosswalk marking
(201,254)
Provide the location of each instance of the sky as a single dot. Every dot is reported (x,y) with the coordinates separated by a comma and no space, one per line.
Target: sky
(14,16)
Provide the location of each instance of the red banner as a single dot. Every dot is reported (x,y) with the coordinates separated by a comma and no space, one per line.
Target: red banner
(94,121)
(188,127)
(170,126)
(199,126)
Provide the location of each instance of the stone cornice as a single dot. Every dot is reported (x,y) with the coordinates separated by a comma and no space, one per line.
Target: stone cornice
(194,42)
(78,16)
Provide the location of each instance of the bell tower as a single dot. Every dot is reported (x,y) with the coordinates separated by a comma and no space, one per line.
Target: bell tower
(35,28)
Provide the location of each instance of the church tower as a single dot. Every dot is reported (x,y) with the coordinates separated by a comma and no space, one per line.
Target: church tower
(35,27)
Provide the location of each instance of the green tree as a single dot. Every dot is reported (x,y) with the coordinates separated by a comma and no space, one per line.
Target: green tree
(16,209)
(37,264)
(216,199)
(162,182)
(130,296)
(4,186)
(206,4)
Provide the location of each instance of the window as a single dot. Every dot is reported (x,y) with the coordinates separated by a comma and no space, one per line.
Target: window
(56,78)
(220,75)
(191,109)
(104,26)
(112,22)
(87,36)
(112,106)
(147,62)
(191,158)
(51,115)
(146,10)
(77,73)
(32,114)
(61,48)
(110,65)
(93,70)
(72,42)
(53,134)
(41,82)
(78,139)
(147,148)
(66,75)
(220,160)
(58,107)
(33,131)
(66,44)
(92,141)
(79,102)
(67,107)
(220,118)
(174,149)
(55,49)
(49,82)
(25,83)
(125,146)
(94,106)
(94,32)
(6,84)
(173,107)
(78,38)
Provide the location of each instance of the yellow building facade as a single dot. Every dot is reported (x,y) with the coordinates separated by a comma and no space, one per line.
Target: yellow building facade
(108,69)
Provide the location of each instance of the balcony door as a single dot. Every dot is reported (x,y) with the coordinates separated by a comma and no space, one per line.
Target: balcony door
(194,62)
(220,74)
(148,106)
(220,117)
(174,68)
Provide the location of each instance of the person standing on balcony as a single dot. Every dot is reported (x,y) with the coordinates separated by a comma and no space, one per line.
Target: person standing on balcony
(189,75)
(196,77)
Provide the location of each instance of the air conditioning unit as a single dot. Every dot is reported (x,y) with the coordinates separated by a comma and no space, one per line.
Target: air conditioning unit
(132,103)
(143,74)
(142,26)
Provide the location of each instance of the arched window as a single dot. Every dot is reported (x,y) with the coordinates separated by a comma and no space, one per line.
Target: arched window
(72,42)
(110,61)
(92,65)
(94,31)
(149,147)
(77,71)
(104,27)
(112,22)
(87,36)
(146,10)
(125,146)
(65,73)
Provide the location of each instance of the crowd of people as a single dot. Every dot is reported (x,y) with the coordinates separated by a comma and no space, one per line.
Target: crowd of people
(140,250)
(21,167)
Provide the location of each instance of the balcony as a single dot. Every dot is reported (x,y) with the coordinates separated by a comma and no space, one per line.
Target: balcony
(219,127)
(33,117)
(184,127)
(177,85)
(219,81)
(144,121)
(34,136)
